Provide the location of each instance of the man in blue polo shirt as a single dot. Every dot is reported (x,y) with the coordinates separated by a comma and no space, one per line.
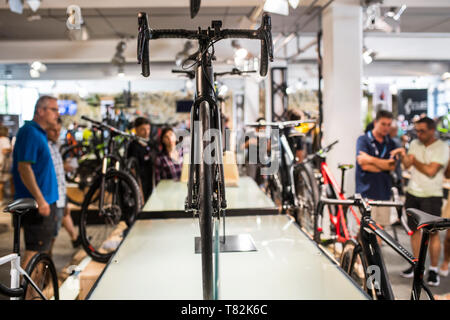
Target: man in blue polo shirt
(374,163)
(34,176)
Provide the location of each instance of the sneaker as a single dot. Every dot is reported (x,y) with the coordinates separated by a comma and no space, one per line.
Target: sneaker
(433,278)
(408,273)
(444,273)
(76,243)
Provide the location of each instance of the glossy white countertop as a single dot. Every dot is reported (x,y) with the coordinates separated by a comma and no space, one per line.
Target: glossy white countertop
(157,261)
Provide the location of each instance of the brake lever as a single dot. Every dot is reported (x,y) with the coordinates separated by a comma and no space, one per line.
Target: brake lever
(267,27)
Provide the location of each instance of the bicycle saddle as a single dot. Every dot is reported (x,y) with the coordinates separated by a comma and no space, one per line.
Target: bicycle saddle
(21,206)
(345,166)
(421,219)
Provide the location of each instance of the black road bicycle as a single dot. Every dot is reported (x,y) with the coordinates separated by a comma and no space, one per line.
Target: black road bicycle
(362,258)
(114,196)
(206,185)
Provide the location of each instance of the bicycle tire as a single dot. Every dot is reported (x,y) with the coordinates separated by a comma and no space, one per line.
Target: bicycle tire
(354,263)
(274,190)
(206,209)
(84,174)
(50,277)
(307,193)
(132,165)
(96,228)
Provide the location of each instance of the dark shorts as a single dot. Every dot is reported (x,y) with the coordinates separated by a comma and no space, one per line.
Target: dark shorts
(430,205)
(39,231)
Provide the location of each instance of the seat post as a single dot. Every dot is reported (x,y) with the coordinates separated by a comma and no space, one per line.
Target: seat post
(16,223)
(342,179)
(420,264)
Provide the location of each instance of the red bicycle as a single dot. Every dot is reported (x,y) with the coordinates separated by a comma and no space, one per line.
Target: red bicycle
(337,227)
(312,220)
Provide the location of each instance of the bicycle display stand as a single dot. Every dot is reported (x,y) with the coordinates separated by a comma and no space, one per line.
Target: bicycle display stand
(146,265)
(232,243)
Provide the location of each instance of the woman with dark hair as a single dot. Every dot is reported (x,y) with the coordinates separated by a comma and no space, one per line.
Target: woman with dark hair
(169,162)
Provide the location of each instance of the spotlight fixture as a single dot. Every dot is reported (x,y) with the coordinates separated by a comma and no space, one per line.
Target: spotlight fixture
(277,6)
(34,73)
(74,19)
(34,4)
(36,68)
(368,55)
(16,6)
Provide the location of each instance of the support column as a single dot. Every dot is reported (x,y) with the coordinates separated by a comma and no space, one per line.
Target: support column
(342,72)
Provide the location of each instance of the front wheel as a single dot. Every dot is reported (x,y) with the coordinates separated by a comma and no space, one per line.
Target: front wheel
(43,273)
(102,227)
(355,265)
(307,197)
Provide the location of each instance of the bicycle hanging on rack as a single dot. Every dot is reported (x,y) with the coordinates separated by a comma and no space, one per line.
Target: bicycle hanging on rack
(114,196)
(40,280)
(206,185)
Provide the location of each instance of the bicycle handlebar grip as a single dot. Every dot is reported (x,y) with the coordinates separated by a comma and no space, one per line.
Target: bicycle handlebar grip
(143,44)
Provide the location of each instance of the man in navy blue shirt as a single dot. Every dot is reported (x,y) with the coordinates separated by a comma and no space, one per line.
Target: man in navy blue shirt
(34,176)
(374,163)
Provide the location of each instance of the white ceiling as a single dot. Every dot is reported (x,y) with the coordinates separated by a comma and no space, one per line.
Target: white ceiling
(425,34)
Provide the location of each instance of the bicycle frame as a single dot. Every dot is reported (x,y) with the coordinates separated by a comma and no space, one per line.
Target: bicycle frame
(338,220)
(287,165)
(16,272)
(367,242)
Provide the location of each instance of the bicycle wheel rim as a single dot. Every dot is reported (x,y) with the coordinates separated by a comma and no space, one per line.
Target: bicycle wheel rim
(43,273)
(102,231)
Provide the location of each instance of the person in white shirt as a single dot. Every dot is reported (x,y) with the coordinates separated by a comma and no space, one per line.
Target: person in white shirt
(427,157)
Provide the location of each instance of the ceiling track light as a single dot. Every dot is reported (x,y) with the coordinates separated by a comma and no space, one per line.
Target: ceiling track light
(368,55)
(16,6)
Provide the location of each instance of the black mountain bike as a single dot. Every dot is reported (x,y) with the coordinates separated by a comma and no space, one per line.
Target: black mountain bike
(362,258)
(114,196)
(206,185)
(288,187)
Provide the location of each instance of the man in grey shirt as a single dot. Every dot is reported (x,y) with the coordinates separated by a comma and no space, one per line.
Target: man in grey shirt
(62,210)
